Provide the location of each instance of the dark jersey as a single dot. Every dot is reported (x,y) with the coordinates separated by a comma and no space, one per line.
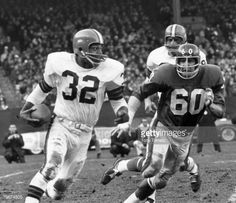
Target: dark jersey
(182,101)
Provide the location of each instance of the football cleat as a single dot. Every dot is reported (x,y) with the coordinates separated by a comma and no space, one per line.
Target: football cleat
(111,173)
(195,180)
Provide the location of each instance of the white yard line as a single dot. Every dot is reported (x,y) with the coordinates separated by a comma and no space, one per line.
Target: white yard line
(224,161)
(11,174)
(16,173)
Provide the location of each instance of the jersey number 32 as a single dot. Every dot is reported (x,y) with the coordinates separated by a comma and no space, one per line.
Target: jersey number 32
(84,98)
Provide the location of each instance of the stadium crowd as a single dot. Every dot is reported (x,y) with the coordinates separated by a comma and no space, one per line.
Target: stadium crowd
(31,29)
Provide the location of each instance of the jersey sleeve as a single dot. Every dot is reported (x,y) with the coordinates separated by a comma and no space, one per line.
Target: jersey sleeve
(150,64)
(50,76)
(156,84)
(114,88)
(218,88)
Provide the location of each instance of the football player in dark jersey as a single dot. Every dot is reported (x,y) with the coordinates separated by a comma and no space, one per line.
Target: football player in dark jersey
(187,88)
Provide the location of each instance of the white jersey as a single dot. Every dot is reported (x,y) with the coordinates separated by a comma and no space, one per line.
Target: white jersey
(81,92)
(160,55)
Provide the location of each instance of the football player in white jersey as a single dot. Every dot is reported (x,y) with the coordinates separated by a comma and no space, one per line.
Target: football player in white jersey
(175,35)
(82,79)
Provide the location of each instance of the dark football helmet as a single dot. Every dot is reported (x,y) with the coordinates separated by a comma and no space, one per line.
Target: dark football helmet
(188,60)
(83,41)
(175,35)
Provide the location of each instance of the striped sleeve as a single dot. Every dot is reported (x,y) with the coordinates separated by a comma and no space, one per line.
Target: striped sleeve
(116,93)
(44,86)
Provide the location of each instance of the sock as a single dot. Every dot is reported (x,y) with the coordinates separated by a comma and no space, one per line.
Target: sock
(31,200)
(36,188)
(192,166)
(132,199)
(134,164)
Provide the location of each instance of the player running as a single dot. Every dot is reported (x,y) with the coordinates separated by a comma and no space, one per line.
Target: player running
(187,89)
(81,78)
(175,35)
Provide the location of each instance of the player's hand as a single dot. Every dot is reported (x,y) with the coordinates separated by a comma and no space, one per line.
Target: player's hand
(25,114)
(150,107)
(120,128)
(209,96)
(121,115)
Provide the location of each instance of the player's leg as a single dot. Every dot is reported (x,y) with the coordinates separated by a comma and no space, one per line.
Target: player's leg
(56,147)
(159,181)
(120,166)
(192,168)
(72,166)
(136,164)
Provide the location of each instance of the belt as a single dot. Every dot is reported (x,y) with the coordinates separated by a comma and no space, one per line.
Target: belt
(73,124)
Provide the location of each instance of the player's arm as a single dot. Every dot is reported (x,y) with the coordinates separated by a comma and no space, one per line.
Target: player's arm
(37,96)
(217,106)
(145,90)
(116,98)
(150,106)
(216,103)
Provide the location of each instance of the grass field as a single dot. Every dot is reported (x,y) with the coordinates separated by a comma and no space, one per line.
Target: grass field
(218,171)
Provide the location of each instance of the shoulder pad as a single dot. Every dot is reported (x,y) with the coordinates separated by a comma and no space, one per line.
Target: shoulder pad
(110,69)
(55,62)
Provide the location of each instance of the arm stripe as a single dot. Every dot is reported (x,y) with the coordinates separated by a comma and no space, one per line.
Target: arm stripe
(44,86)
(115,94)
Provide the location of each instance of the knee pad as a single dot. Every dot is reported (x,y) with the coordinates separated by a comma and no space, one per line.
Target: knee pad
(49,171)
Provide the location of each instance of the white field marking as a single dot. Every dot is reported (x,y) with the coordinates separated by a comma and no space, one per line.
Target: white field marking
(17,173)
(11,174)
(224,161)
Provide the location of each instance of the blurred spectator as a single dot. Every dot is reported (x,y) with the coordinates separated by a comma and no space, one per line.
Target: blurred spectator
(120,144)
(3,103)
(207,132)
(95,142)
(13,144)
(128,34)
(141,130)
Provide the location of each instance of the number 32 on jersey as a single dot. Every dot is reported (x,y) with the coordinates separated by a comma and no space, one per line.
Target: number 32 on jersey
(85,96)
(195,103)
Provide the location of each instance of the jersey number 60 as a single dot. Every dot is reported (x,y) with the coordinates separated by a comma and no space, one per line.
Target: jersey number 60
(179,106)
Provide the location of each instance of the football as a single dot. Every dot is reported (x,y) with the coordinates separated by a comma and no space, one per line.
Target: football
(42,112)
